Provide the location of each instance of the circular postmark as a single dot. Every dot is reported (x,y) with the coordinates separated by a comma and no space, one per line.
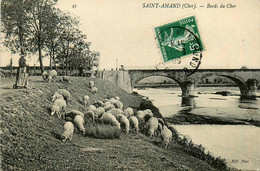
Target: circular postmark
(177,42)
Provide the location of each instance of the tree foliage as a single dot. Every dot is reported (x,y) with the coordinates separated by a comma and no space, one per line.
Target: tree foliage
(37,26)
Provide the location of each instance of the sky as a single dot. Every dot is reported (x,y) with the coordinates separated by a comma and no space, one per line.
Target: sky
(121,30)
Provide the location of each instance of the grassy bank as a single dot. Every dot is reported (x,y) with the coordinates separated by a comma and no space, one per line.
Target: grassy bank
(30,137)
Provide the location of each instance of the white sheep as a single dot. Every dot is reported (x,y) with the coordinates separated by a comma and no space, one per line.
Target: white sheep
(91,84)
(91,107)
(110,119)
(98,103)
(117,98)
(152,125)
(52,75)
(57,96)
(79,122)
(65,93)
(118,105)
(115,111)
(99,111)
(107,103)
(109,107)
(118,116)
(129,112)
(112,100)
(58,107)
(86,100)
(134,123)
(94,90)
(124,123)
(140,115)
(90,114)
(166,136)
(73,113)
(45,75)
(68,131)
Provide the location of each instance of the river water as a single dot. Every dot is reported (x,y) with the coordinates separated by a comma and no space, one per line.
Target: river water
(238,144)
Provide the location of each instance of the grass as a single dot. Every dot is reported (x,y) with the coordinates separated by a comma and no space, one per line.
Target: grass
(30,137)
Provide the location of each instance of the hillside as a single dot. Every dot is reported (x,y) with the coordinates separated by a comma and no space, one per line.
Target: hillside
(30,137)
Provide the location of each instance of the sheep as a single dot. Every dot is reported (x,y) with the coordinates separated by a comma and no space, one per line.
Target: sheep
(161,121)
(91,84)
(70,115)
(118,116)
(79,122)
(124,122)
(117,98)
(68,131)
(140,115)
(147,114)
(65,93)
(166,136)
(112,100)
(58,106)
(94,90)
(45,75)
(91,107)
(152,126)
(129,111)
(90,114)
(118,105)
(99,111)
(57,96)
(98,103)
(85,100)
(52,75)
(110,119)
(107,103)
(109,107)
(134,123)
(65,79)
(160,128)
(115,111)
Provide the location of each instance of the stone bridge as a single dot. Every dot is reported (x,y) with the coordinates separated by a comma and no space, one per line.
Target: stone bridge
(246,79)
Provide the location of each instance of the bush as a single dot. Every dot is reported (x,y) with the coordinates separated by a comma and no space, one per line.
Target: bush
(102,131)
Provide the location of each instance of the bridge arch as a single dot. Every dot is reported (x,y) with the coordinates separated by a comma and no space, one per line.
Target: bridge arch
(240,82)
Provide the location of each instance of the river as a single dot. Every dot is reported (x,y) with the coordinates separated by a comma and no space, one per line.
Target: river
(238,144)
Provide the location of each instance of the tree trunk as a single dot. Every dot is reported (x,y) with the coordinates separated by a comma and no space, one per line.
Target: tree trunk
(50,61)
(40,57)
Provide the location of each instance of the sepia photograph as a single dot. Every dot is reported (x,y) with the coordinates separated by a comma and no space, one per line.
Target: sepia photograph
(130,85)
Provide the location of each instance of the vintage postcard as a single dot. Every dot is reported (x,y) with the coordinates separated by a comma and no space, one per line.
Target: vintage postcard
(130,85)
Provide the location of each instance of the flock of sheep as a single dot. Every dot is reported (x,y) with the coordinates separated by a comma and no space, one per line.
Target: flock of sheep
(108,111)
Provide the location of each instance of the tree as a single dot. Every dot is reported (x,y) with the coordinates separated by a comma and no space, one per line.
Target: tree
(38,20)
(14,25)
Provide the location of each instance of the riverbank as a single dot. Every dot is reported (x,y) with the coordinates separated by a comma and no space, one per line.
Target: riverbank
(187,119)
(30,136)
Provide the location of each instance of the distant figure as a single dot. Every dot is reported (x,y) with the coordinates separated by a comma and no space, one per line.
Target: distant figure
(22,74)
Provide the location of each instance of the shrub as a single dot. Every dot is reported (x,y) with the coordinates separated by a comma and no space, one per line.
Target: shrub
(102,131)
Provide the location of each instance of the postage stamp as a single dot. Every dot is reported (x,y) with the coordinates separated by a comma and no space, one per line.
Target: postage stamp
(178,39)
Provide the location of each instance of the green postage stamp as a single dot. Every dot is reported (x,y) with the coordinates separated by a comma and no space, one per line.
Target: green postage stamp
(178,39)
